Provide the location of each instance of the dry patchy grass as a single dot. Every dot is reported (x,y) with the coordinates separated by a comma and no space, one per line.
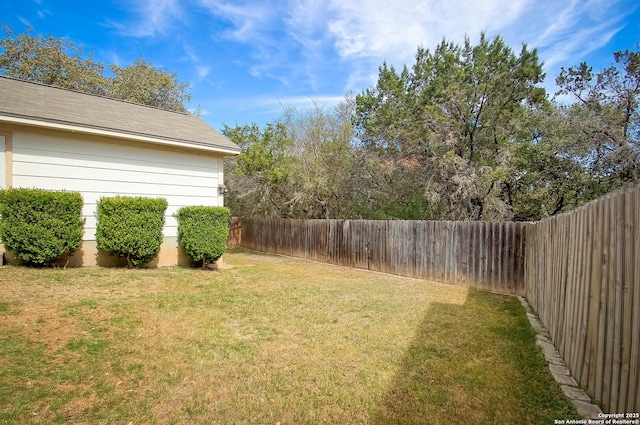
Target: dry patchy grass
(269,340)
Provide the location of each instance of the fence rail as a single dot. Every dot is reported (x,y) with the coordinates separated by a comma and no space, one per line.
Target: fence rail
(488,256)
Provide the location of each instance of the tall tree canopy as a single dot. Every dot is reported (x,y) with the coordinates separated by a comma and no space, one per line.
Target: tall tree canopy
(258,177)
(604,118)
(301,166)
(61,63)
(452,122)
(465,133)
(48,60)
(587,144)
(141,83)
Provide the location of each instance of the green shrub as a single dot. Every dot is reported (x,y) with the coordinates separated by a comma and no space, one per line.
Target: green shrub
(38,226)
(130,227)
(203,232)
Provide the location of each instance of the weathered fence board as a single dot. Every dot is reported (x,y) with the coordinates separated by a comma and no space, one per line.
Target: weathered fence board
(582,278)
(482,255)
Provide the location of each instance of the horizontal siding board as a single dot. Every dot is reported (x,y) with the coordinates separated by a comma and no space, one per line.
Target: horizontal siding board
(110,187)
(175,201)
(101,174)
(46,149)
(120,163)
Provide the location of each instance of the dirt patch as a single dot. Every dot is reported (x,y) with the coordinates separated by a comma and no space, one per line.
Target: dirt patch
(43,325)
(54,328)
(77,406)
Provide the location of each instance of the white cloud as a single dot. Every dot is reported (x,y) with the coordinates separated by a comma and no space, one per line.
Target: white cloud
(249,19)
(367,32)
(25,22)
(579,45)
(255,72)
(199,66)
(577,30)
(203,71)
(305,21)
(259,28)
(153,18)
(364,33)
(303,102)
(112,57)
(304,43)
(393,30)
(274,105)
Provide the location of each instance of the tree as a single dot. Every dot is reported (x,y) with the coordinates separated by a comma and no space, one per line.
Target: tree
(603,132)
(323,158)
(48,60)
(257,178)
(61,63)
(547,181)
(588,143)
(300,166)
(450,125)
(141,83)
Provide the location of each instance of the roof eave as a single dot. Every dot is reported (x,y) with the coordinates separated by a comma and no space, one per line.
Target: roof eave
(118,134)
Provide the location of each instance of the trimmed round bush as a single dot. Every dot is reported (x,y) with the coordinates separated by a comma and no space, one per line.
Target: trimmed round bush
(130,227)
(38,226)
(203,232)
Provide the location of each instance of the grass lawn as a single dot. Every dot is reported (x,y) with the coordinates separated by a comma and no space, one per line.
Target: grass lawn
(269,340)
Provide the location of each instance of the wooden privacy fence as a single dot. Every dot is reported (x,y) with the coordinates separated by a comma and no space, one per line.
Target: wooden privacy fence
(582,277)
(488,256)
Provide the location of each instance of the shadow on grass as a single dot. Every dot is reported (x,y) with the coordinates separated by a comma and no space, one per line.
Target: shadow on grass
(476,363)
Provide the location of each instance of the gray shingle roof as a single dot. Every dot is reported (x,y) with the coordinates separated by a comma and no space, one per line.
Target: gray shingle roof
(52,105)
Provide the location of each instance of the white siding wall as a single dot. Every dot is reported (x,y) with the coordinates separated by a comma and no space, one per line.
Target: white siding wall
(3,163)
(98,169)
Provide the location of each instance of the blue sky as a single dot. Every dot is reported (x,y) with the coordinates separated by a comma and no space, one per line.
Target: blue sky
(248,59)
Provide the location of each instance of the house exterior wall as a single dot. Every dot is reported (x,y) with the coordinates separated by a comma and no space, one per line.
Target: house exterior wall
(98,166)
(3,161)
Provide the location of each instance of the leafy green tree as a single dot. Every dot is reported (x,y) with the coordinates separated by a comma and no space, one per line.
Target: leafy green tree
(456,117)
(141,83)
(603,120)
(547,181)
(465,133)
(301,166)
(49,60)
(323,160)
(61,63)
(587,144)
(257,178)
